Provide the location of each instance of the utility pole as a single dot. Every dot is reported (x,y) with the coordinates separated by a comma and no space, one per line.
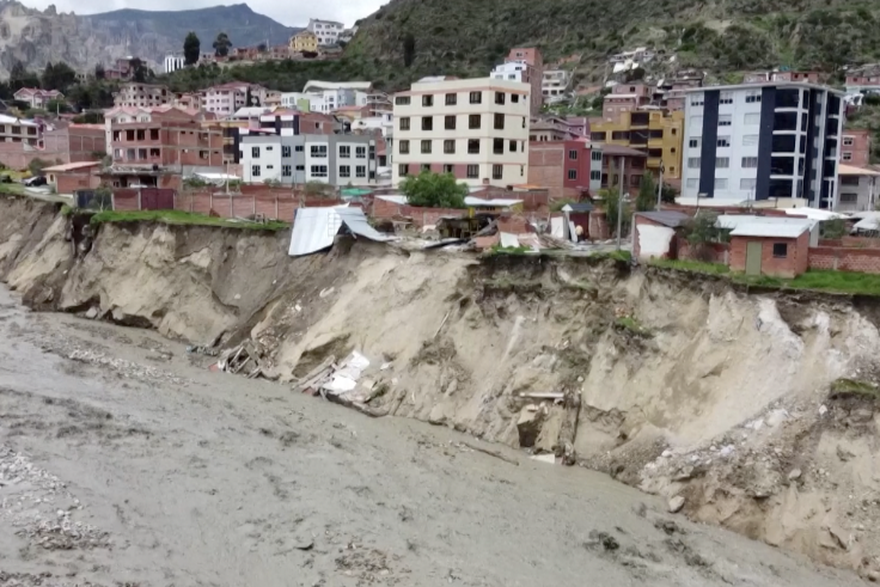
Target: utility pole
(660,186)
(620,199)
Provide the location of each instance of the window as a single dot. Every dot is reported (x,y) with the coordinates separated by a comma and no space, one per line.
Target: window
(255,170)
(596,155)
(474,121)
(427,123)
(451,99)
(344,151)
(514,98)
(497,171)
(499,97)
(722,163)
(319,170)
(476,97)
(753,97)
(572,174)
(426,147)
(693,182)
(748,183)
(512,147)
(573,154)
(286,171)
(722,142)
(750,140)
(780,250)
(299,148)
(269,148)
(300,167)
(255,152)
(403,147)
(447,169)
(720,183)
(498,146)
(449,146)
(499,121)
(849,198)
(694,163)
(847,156)
(402,101)
(360,171)
(474,146)
(726,98)
(319,151)
(847,141)
(473,171)
(449,123)
(752,118)
(524,122)
(404,123)
(749,162)
(360,152)
(402,169)
(285,150)
(344,171)
(697,100)
(427,100)
(595,175)
(724,120)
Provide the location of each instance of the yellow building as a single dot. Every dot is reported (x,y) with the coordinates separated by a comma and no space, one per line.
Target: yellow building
(304,41)
(657,134)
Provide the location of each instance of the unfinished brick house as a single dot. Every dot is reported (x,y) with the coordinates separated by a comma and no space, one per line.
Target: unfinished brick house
(167,137)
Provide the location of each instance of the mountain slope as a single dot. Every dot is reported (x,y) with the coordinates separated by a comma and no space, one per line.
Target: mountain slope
(409,38)
(244,26)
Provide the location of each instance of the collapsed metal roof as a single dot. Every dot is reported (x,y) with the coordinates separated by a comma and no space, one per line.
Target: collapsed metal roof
(315,228)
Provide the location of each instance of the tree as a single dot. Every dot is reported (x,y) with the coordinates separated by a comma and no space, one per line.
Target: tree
(58,76)
(434,190)
(647,194)
(222,45)
(20,77)
(192,49)
(668,194)
(700,232)
(140,73)
(611,198)
(834,228)
(36,166)
(100,72)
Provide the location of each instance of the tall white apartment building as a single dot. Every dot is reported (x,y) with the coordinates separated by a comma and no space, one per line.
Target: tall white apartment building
(476,129)
(173,63)
(327,31)
(765,141)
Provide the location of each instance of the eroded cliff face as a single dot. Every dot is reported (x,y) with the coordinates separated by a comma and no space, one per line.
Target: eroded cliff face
(676,384)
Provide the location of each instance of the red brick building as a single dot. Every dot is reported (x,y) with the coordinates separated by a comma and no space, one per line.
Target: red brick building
(533,75)
(74,142)
(70,177)
(633,162)
(775,249)
(565,168)
(167,136)
(855,147)
(625,98)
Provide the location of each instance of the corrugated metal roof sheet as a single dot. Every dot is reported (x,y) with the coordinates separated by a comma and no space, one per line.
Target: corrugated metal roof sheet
(670,218)
(315,228)
(768,229)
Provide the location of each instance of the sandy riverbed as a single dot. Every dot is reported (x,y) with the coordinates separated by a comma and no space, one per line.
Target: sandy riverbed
(128,465)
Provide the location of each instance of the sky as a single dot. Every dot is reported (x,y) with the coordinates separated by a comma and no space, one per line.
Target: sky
(284,11)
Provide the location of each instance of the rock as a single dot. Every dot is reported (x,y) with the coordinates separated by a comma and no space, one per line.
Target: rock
(666,454)
(727,450)
(776,417)
(794,474)
(675,504)
(843,454)
(823,410)
(92,313)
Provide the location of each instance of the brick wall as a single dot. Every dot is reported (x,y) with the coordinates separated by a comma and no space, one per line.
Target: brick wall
(271,203)
(794,263)
(599,226)
(865,260)
(857,242)
(709,253)
(70,181)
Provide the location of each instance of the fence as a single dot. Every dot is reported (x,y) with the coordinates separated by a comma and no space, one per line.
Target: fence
(863,260)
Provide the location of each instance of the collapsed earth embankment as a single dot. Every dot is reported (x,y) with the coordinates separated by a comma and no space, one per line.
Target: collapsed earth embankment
(760,409)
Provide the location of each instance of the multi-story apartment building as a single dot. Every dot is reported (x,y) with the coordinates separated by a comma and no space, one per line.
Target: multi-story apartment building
(18,130)
(760,77)
(135,95)
(326,31)
(655,133)
(165,136)
(555,84)
(525,65)
(476,129)
(856,147)
(777,140)
(295,148)
(669,94)
(226,99)
(625,98)
(172,63)
(304,42)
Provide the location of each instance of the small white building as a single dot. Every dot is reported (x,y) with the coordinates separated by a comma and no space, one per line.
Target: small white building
(515,71)
(173,63)
(857,189)
(327,31)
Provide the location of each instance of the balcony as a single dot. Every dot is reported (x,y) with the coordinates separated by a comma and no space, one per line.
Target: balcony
(228,140)
(654,162)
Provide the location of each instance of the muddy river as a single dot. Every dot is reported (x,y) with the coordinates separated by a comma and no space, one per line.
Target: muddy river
(125,462)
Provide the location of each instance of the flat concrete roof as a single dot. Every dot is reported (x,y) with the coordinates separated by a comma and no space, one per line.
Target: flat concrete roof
(769,84)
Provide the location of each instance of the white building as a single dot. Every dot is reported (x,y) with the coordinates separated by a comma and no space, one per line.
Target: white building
(776,140)
(857,189)
(327,31)
(555,85)
(324,100)
(476,129)
(515,71)
(173,63)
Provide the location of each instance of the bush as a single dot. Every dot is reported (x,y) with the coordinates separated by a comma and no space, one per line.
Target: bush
(434,190)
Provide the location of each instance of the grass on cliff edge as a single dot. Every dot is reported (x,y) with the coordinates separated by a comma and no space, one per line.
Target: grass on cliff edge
(182,218)
(847,282)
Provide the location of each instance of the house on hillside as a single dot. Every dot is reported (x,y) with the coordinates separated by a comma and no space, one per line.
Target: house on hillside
(36,97)
(304,42)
